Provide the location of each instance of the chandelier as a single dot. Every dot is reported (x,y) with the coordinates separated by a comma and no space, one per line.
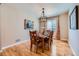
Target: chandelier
(43,17)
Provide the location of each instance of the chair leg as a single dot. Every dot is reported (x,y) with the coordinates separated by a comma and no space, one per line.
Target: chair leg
(48,46)
(43,46)
(49,43)
(42,49)
(31,47)
(36,49)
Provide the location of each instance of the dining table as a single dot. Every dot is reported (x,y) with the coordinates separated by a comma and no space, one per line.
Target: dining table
(42,38)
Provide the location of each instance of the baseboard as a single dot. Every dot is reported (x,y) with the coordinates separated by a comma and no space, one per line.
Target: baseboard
(72,49)
(14,44)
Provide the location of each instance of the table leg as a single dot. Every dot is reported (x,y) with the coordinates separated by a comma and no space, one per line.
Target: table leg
(31,46)
(43,45)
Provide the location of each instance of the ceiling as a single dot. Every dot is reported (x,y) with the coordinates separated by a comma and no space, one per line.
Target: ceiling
(51,9)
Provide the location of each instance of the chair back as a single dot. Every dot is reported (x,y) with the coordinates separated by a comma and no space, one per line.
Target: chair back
(33,36)
(51,35)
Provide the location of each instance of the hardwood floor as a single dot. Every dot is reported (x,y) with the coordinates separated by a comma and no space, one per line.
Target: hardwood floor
(63,48)
(59,48)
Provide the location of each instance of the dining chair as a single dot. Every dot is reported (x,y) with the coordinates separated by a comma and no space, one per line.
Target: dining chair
(34,40)
(51,37)
(49,40)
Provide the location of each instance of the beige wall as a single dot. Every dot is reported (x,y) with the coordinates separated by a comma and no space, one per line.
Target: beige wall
(63,20)
(12,24)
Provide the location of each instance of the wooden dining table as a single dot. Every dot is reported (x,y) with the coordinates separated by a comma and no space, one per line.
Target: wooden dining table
(42,38)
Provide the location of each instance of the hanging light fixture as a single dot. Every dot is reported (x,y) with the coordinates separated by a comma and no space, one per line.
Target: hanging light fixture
(42,22)
(43,12)
(43,17)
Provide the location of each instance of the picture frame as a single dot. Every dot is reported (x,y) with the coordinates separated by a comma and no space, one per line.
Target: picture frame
(74,19)
(25,24)
(29,24)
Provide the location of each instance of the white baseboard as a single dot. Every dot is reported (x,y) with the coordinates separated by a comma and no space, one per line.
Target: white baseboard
(72,49)
(14,44)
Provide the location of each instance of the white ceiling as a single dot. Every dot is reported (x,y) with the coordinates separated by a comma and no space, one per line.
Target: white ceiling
(51,9)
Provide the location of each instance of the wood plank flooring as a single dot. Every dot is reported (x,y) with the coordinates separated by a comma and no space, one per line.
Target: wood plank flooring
(59,48)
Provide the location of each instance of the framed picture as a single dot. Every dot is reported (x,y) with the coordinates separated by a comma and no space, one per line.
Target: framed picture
(74,19)
(29,24)
(25,24)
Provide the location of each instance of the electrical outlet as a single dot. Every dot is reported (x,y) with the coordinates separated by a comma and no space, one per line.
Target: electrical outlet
(17,40)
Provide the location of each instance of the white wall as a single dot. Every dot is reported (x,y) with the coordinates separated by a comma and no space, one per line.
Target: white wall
(74,41)
(74,38)
(63,21)
(12,24)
